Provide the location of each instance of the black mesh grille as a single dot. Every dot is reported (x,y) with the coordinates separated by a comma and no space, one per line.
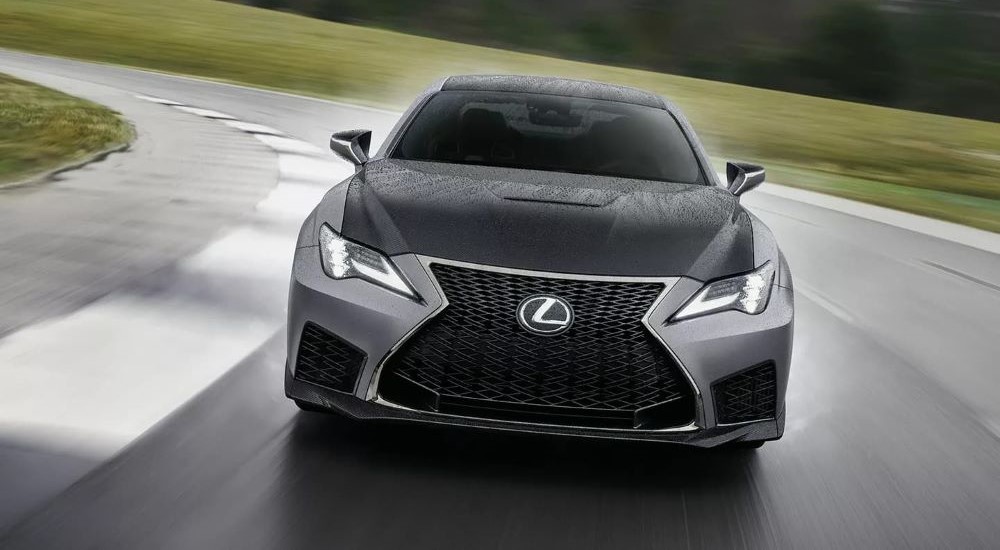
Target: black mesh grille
(326,360)
(476,356)
(750,394)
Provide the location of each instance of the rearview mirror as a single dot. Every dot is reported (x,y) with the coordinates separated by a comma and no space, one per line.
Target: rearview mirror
(743,176)
(352,145)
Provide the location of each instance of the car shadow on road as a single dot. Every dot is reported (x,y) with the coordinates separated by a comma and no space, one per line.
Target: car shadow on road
(529,458)
(394,486)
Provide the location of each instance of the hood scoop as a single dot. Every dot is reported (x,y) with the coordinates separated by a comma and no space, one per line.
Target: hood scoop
(555,194)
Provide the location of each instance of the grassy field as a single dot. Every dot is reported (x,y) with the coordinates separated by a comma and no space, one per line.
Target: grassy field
(933,165)
(42,129)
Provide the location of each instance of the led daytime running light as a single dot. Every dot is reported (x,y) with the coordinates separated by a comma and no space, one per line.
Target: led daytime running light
(343,259)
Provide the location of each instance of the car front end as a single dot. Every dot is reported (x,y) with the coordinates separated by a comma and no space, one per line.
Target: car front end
(450,358)
(498,297)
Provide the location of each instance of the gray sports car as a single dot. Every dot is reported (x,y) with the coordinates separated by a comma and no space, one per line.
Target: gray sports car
(542,255)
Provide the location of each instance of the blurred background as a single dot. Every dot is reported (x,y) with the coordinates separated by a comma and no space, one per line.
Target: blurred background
(157,159)
(814,89)
(938,56)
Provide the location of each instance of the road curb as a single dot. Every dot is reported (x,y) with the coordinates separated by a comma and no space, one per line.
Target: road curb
(949,231)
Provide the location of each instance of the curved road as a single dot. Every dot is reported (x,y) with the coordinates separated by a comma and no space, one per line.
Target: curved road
(893,434)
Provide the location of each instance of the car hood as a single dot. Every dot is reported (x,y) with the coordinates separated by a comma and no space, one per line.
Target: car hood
(548,221)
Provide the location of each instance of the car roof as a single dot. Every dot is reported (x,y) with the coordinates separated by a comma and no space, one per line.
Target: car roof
(553,86)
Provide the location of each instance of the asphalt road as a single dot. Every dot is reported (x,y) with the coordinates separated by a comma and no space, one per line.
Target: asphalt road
(893,434)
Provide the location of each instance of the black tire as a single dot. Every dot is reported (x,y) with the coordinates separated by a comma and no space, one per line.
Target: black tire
(309,407)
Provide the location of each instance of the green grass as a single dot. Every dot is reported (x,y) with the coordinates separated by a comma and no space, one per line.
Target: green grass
(42,129)
(934,165)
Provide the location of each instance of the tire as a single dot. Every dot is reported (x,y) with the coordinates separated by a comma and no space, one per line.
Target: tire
(309,407)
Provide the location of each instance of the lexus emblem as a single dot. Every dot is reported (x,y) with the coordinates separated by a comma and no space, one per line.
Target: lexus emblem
(546,315)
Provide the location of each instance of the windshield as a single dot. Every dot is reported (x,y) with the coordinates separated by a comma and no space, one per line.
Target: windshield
(554,133)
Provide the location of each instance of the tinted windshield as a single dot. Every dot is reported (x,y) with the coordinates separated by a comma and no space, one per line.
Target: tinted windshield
(555,133)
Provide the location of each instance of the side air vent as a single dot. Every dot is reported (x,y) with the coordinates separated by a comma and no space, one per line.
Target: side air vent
(750,394)
(327,361)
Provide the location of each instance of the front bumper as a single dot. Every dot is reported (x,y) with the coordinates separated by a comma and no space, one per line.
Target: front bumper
(376,321)
(360,409)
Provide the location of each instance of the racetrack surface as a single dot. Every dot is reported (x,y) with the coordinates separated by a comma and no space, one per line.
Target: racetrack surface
(892,435)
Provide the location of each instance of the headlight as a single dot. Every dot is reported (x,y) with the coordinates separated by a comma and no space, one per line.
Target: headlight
(343,259)
(747,293)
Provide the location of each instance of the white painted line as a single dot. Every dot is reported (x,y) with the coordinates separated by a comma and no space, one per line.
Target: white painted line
(292,201)
(252,128)
(121,365)
(244,253)
(159,100)
(207,113)
(290,145)
(306,168)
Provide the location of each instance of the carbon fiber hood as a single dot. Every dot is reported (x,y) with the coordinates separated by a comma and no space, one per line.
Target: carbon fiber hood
(548,221)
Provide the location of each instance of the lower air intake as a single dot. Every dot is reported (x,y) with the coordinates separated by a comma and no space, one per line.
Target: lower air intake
(750,394)
(327,361)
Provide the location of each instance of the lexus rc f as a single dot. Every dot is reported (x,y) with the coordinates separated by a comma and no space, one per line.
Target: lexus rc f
(542,255)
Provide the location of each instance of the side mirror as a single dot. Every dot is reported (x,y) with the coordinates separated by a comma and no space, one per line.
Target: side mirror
(743,176)
(352,145)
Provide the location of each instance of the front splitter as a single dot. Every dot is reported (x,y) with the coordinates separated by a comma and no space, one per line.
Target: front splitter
(358,409)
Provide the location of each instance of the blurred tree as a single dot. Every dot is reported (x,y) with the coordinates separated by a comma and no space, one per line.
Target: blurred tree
(767,67)
(954,67)
(650,26)
(934,55)
(269,4)
(507,25)
(853,54)
(604,40)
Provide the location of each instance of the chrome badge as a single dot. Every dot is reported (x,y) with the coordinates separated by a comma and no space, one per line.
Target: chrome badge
(547,315)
